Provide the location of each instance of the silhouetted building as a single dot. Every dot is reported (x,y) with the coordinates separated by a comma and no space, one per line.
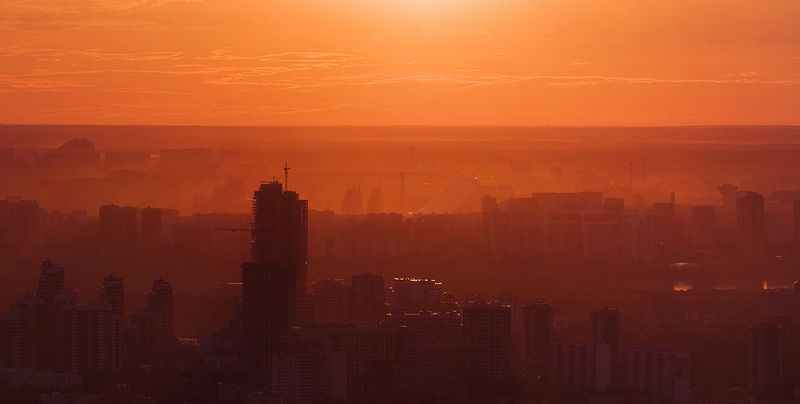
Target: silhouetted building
(538,343)
(781,306)
(615,204)
(581,366)
(411,295)
(268,303)
(367,299)
(568,227)
(280,230)
(276,282)
(113,291)
(606,329)
(729,193)
(487,348)
(353,202)
(4,339)
(315,367)
(89,339)
(662,229)
(368,238)
(765,371)
(19,225)
(704,226)
(750,227)
(331,301)
(152,228)
(375,202)
(429,353)
(154,337)
(49,288)
(119,230)
(659,373)
(796,226)
(26,333)
(222,350)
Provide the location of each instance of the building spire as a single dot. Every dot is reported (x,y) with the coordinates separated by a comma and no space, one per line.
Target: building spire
(286,176)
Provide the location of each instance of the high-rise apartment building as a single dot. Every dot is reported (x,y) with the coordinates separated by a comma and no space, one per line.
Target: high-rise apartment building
(89,338)
(750,227)
(49,289)
(367,299)
(765,370)
(538,343)
(606,329)
(487,345)
(153,326)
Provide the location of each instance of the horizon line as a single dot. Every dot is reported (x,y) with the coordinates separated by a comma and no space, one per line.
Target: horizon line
(457,126)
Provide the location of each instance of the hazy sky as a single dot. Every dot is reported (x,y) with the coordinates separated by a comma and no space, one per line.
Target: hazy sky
(507,62)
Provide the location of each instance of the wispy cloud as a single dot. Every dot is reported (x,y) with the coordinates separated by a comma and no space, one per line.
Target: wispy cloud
(65,15)
(87,54)
(576,83)
(480,80)
(748,74)
(284,57)
(35,84)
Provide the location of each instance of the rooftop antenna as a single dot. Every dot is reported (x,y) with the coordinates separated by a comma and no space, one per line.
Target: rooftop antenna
(286,175)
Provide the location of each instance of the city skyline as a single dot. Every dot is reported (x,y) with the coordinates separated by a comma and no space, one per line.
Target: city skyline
(399,202)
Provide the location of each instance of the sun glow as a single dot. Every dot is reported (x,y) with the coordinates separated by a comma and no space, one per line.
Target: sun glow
(426,8)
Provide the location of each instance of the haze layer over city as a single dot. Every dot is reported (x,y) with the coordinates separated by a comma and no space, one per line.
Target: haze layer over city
(453,201)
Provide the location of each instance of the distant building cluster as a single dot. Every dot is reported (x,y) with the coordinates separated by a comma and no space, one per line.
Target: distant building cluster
(51,341)
(585,226)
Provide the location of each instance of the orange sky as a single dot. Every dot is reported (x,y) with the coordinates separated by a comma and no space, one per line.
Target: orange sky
(444,62)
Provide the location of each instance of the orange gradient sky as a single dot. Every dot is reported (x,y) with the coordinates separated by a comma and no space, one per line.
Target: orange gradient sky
(408,62)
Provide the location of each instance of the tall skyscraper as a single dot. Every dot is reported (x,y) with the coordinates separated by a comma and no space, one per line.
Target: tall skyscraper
(49,287)
(159,302)
(606,330)
(538,323)
(750,227)
(276,280)
(280,230)
(268,311)
(766,367)
(154,337)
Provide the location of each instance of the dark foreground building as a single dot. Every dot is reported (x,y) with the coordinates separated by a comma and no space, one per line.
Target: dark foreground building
(275,279)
